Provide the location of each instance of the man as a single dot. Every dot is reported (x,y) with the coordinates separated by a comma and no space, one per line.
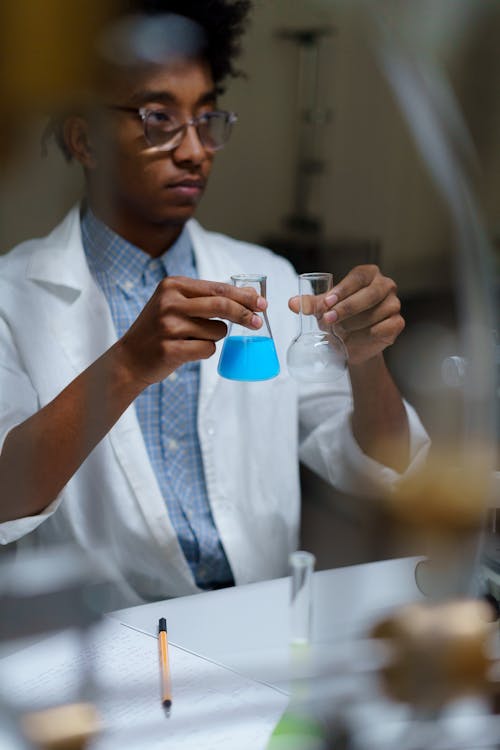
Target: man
(117,431)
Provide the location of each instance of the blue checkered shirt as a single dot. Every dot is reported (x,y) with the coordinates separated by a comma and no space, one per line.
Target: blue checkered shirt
(167,411)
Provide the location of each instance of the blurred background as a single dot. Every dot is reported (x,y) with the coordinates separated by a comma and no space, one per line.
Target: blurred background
(322,168)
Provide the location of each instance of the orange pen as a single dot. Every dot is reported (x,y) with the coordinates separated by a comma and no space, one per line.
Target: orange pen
(166,686)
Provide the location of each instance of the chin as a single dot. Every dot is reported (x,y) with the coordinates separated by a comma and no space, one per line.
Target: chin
(173,218)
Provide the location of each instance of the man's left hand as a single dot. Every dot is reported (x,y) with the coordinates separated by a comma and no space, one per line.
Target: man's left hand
(364,310)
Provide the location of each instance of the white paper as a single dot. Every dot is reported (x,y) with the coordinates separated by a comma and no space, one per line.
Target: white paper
(213,707)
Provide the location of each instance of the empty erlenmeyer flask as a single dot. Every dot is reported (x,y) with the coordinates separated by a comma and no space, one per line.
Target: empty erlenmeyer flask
(249,354)
(317,354)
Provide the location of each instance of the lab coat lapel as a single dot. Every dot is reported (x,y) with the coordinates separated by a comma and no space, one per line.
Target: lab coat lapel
(84,328)
(130,451)
(80,317)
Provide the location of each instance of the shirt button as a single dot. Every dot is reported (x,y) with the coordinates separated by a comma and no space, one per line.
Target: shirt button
(210,429)
(173,444)
(128,286)
(173,377)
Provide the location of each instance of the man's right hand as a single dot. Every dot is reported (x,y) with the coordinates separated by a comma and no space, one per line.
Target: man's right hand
(178,325)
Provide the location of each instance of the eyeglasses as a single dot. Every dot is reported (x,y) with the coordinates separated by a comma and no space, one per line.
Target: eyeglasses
(163,130)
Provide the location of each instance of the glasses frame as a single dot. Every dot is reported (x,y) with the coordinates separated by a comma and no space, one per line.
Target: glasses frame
(178,134)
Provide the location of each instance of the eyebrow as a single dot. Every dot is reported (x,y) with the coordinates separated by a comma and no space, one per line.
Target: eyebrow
(166,97)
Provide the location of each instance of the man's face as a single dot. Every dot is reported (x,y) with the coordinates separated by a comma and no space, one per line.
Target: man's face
(147,183)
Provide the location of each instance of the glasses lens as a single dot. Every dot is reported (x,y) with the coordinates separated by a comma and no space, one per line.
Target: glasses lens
(214,129)
(162,129)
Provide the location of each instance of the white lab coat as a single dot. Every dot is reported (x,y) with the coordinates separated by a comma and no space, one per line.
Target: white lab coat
(55,321)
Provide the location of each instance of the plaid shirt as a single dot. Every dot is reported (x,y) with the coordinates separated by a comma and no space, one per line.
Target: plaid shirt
(167,411)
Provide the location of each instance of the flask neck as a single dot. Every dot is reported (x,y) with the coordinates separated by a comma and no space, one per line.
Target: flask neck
(257,282)
(308,323)
(312,290)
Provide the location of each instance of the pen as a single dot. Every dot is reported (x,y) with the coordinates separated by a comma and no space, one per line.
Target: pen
(166,687)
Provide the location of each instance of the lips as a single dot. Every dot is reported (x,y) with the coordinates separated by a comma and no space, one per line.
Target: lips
(188,184)
(187,191)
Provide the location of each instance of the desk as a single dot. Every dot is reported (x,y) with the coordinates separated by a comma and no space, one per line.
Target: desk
(246,627)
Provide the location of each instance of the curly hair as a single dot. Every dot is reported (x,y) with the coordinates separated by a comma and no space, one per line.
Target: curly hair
(222,21)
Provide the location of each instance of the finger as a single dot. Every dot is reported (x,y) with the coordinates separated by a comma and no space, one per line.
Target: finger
(208,330)
(363,300)
(365,344)
(358,278)
(180,327)
(196,350)
(219,307)
(384,310)
(189,351)
(309,304)
(193,288)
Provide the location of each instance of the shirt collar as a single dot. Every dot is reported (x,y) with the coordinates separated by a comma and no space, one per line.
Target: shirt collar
(113,256)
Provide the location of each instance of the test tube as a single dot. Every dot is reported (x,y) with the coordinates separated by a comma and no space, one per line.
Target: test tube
(302,567)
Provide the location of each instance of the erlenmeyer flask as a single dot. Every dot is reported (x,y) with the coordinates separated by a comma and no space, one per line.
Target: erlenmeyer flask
(249,354)
(317,354)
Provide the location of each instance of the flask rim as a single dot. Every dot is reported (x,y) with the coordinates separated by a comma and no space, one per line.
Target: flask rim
(316,276)
(250,277)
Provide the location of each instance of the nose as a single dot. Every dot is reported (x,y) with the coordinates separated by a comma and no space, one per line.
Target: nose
(190,149)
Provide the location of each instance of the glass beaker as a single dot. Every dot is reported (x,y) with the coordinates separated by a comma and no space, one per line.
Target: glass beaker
(249,354)
(317,354)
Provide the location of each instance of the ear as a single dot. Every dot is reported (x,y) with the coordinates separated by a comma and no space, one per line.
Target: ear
(76,134)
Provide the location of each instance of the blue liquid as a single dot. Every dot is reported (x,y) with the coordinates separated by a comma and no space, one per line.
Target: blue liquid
(248,358)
